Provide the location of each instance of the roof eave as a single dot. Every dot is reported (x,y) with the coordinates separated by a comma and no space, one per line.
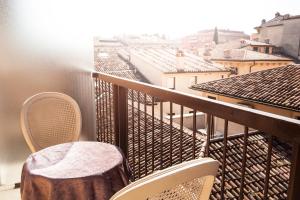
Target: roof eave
(247,60)
(245,99)
(184,72)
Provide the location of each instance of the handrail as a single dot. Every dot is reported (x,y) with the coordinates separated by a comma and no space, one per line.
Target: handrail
(285,128)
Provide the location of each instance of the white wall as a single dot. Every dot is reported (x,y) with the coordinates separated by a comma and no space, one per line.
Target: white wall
(188,120)
(152,74)
(183,82)
(274,34)
(291,37)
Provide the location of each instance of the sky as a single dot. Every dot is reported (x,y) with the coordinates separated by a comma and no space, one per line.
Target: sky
(170,17)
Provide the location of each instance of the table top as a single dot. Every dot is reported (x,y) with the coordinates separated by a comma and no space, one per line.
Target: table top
(74,160)
(77,170)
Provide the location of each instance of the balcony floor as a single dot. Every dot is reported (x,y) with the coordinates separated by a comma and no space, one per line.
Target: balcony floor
(10,194)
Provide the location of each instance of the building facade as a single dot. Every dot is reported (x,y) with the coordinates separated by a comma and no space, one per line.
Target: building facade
(282,31)
(244,61)
(173,69)
(261,47)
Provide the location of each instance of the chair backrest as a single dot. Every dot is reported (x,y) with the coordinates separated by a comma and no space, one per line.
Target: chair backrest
(50,118)
(189,180)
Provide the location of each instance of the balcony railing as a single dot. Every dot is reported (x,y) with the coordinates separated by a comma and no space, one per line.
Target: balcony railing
(259,163)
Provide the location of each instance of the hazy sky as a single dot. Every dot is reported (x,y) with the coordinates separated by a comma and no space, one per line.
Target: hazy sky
(171,17)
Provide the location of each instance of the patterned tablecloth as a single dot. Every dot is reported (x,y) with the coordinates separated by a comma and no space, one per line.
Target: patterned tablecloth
(78,170)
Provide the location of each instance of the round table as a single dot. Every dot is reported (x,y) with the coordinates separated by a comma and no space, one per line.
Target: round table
(78,170)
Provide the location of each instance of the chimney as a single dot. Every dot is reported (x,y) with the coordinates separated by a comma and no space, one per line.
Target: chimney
(286,16)
(227,53)
(207,54)
(179,60)
(243,43)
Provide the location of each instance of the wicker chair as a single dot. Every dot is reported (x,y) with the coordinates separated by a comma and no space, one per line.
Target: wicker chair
(187,181)
(48,119)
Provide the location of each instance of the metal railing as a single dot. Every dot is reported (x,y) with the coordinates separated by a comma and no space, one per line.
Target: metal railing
(130,114)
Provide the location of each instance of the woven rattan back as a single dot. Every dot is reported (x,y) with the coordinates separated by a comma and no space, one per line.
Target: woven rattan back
(191,180)
(50,118)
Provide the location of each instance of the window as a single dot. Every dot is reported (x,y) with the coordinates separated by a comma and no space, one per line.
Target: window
(211,97)
(298,117)
(103,55)
(267,50)
(222,76)
(233,70)
(255,48)
(170,114)
(171,83)
(193,80)
(244,104)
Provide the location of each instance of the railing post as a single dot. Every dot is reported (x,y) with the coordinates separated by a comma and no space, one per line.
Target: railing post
(116,113)
(208,134)
(294,183)
(123,119)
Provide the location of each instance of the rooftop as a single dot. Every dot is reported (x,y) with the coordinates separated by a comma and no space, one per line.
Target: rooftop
(277,20)
(256,165)
(108,61)
(164,59)
(141,130)
(245,42)
(221,31)
(245,55)
(145,40)
(278,87)
(99,41)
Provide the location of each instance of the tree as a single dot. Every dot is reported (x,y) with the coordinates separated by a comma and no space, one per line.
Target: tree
(216,36)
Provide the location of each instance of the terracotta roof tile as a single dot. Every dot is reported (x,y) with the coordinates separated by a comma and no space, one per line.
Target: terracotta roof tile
(277,87)
(113,64)
(257,151)
(164,60)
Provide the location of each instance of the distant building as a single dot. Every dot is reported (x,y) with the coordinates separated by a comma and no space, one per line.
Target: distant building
(177,70)
(202,38)
(106,60)
(243,61)
(261,47)
(173,68)
(206,36)
(147,40)
(102,42)
(254,36)
(275,90)
(282,31)
(244,56)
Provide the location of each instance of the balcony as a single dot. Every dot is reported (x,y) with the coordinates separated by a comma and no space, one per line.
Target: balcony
(259,163)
